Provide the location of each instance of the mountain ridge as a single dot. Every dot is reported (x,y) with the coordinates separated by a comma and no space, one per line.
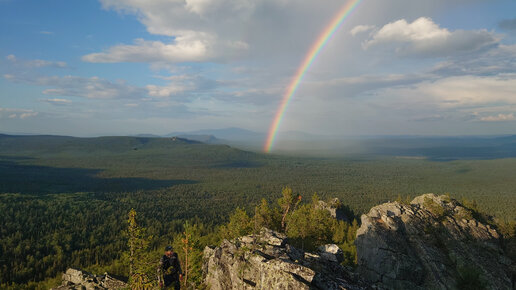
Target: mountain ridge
(433,242)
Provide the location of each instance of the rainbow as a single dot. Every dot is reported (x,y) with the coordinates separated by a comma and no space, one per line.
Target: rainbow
(305,65)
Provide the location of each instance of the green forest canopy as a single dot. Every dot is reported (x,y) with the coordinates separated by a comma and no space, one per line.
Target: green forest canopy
(64,201)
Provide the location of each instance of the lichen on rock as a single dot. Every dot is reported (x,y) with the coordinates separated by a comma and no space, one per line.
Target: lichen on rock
(76,279)
(428,244)
(267,261)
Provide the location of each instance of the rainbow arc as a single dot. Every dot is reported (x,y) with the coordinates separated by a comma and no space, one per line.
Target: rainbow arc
(316,48)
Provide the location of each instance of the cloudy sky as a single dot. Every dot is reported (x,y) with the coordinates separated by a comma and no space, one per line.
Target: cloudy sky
(83,68)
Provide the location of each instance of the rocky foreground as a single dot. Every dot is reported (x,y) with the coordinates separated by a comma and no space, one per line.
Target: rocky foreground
(77,279)
(267,261)
(432,243)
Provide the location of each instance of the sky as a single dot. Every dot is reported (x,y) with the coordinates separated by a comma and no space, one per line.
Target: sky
(123,67)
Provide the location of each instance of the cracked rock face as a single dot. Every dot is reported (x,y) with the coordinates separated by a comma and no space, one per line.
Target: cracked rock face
(77,279)
(267,261)
(432,243)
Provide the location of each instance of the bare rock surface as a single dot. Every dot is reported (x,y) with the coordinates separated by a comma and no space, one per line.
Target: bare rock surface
(77,279)
(267,261)
(432,243)
(334,207)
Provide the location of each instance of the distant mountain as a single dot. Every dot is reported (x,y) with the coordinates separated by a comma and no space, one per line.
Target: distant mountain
(113,144)
(147,135)
(439,148)
(208,139)
(230,134)
(17,133)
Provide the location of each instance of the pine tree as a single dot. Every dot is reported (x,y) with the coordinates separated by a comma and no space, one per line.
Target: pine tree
(288,203)
(190,255)
(239,224)
(264,216)
(140,268)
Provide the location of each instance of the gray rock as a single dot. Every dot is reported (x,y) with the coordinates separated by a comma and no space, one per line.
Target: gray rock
(334,207)
(267,261)
(331,252)
(430,243)
(77,279)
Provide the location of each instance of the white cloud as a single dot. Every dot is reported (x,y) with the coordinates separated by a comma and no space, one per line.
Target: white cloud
(164,91)
(91,88)
(219,30)
(457,95)
(17,113)
(57,101)
(361,29)
(36,63)
(423,37)
(499,118)
(182,84)
(402,31)
(191,47)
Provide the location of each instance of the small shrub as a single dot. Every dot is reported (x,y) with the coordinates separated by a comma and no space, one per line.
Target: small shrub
(434,207)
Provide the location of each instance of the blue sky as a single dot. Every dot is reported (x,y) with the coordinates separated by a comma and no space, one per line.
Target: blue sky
(116,67)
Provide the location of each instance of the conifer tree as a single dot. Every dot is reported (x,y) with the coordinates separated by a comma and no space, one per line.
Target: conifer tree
(288,203)
(140,268)
(239,224)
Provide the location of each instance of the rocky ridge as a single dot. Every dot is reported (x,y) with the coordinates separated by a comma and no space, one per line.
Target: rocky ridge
(432,243)
(267,261)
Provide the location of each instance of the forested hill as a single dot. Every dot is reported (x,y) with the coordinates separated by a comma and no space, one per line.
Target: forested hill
(58,144)
(64,200)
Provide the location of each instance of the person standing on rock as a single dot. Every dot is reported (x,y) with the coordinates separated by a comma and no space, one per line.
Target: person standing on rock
(169,270)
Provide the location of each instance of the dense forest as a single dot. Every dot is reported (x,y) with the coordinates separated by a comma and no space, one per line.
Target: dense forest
(64,201)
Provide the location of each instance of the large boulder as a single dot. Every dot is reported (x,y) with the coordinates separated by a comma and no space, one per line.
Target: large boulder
(334,207)
(267,261)
(432,243)
(331,252)
(76,279)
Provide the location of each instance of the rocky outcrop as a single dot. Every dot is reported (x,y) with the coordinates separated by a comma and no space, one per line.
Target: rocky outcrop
(432,243)
(77,279)
(334,207)
(267,261)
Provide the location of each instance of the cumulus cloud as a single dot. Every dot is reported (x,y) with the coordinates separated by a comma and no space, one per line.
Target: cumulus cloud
(35,63)
(218,30)
(190,47)
(361,29)
(423,37)
(200,30)
(499,118)
(17,113)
